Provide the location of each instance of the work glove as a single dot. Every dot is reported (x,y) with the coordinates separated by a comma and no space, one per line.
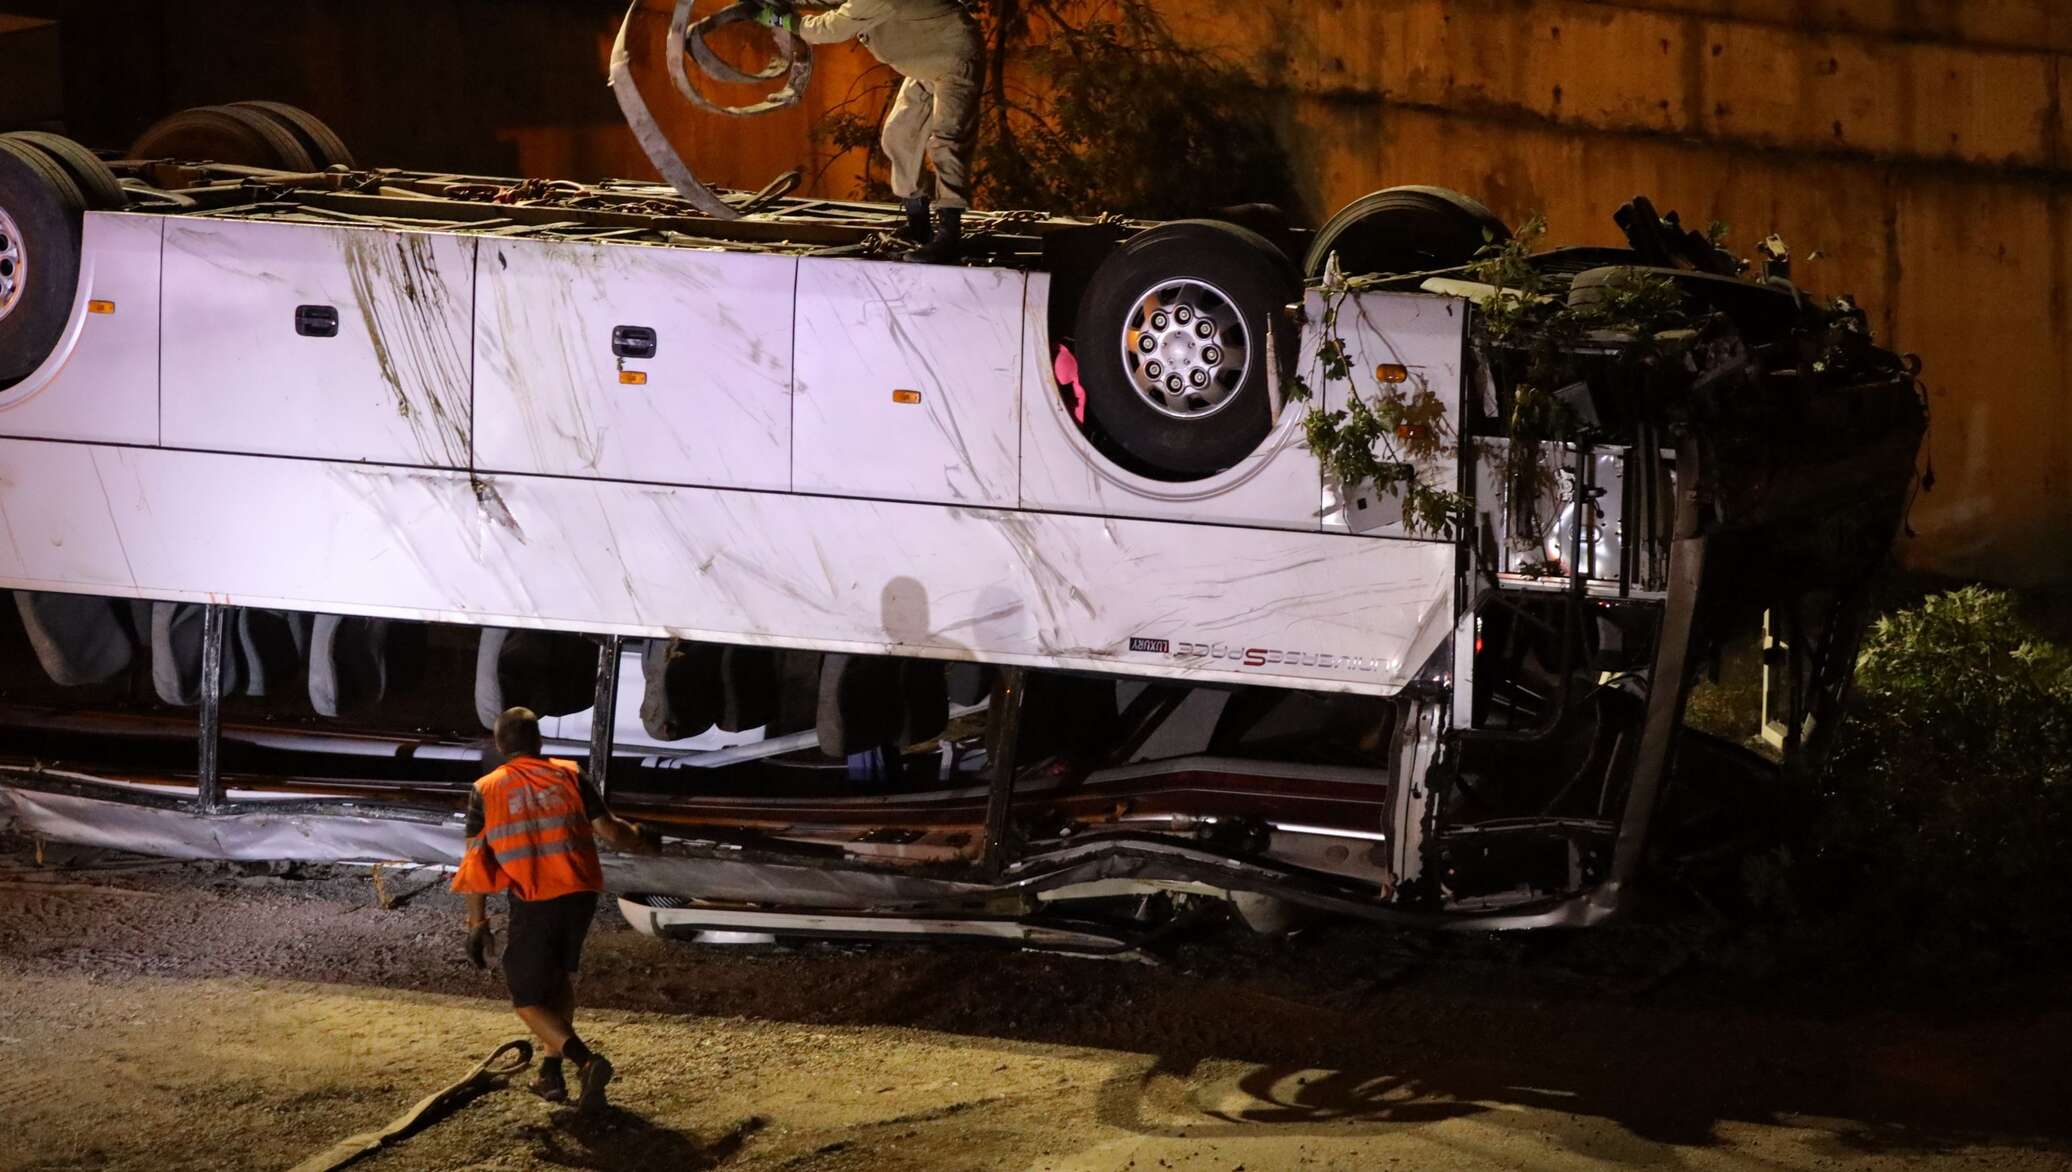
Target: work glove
(777,17)
(480,941)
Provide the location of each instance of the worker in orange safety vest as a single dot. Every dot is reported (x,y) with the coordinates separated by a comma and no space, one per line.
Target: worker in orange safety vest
(532,829)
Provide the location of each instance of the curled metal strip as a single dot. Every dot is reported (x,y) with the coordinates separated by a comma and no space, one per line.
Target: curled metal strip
(718,68)
(796,60)
(652,141)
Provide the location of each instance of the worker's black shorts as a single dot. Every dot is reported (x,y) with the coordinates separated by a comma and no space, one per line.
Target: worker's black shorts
(546,944)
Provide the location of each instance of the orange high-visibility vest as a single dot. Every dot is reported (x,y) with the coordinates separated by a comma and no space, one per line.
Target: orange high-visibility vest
(536,842)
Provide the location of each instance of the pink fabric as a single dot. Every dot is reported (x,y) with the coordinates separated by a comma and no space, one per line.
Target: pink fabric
(1066,368)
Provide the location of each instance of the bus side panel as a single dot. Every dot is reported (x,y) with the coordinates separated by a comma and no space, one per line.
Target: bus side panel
(908,381)
(308,340)
(1131,597)
(60,527)
(657,364)
(1407,347)
(101,382)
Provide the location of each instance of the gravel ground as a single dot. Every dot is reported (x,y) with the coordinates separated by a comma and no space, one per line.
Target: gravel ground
(206,1016)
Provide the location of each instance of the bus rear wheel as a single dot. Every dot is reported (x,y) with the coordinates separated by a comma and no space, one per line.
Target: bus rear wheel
(41,211)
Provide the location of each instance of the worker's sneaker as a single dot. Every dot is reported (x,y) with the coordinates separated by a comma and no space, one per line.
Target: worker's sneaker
(918,228)
(595,1073)
(548,1084)
(947,244)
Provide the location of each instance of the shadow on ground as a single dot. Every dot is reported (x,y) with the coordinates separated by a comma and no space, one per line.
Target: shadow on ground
(1309,1039)
(617,1138)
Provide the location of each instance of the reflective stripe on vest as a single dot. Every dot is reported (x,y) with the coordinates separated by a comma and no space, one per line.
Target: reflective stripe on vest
(534,833)
(537,851)
(527,826)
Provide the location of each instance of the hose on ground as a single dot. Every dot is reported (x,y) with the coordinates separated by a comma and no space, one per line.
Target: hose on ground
(491,1072)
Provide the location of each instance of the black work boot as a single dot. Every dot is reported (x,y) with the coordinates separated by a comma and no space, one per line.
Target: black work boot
(943,247)
(594,1075)
(917,227)
(549,1084)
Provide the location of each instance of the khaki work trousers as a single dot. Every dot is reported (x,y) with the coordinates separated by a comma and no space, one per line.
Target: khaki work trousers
(939,120)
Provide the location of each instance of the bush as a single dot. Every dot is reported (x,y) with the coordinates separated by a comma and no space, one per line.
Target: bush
(1944,818)
(1124,118)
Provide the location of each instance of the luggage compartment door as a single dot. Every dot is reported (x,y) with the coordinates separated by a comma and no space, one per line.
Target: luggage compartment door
(909,381)
(665,365)
(308,340)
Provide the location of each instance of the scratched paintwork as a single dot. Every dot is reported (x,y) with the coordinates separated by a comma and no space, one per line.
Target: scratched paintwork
(408,307)
(334,474)
(756,568)
(392,386)
(715,406)
(952,334)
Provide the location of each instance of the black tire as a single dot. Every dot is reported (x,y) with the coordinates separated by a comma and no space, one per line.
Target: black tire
(1258,281)
(223,134)
(323,145)
(1405,230)
(96,182)
(1758,311)
(46,208)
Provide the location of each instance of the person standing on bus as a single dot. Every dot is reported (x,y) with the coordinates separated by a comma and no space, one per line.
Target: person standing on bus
(935,45)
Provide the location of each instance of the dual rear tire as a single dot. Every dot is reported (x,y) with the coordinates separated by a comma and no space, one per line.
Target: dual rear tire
(41,213)
(272,135)
(48,183)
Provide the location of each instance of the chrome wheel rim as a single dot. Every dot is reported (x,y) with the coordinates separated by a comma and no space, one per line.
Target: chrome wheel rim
(14,265)
(1185,348)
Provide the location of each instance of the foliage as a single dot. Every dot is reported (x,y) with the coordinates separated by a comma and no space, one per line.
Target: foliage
(1522,328)
(1945,813)
(1528,332)
(1127,120)
(1522,313)
(1382,434)
(1096,107)
(1519,286)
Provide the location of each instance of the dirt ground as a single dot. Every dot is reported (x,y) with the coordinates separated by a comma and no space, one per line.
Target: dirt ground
(205,1016)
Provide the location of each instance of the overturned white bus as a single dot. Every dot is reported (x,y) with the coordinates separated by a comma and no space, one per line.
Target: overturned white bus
(1017,599)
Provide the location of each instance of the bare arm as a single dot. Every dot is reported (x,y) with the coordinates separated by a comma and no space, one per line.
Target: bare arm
(608,826)
(478,904)
(622,834)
